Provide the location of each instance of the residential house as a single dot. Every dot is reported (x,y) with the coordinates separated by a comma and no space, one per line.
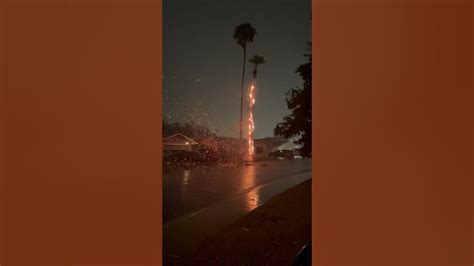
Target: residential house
(265,146)
(179,142)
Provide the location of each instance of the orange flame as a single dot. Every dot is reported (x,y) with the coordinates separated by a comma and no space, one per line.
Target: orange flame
(251,127)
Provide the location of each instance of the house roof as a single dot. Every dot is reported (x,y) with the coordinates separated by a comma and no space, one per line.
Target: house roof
(272,141)
(179,139)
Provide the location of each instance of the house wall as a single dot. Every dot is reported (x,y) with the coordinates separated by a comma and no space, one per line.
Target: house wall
(265,151)
(179,147)
(174,147)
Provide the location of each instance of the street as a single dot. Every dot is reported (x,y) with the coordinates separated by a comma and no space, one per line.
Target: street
(200,202)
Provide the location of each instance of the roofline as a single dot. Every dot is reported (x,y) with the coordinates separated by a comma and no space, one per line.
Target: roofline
(177,144)
(272,138)
(179,134)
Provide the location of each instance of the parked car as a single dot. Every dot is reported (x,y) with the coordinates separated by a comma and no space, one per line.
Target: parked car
(282,154)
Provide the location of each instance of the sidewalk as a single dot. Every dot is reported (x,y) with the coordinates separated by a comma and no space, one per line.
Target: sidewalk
(272,234)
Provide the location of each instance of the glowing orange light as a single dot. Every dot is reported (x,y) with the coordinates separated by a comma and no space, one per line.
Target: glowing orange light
(251,149)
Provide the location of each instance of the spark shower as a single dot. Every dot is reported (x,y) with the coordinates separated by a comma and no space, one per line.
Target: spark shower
(251,126)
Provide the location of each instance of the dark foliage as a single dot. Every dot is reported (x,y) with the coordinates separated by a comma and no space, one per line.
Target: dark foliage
(243,34)
(257,60)
(178,158)
(298,100)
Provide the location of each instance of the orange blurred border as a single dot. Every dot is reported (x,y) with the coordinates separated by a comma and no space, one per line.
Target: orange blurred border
(82,133)
(393,147)
(392,123)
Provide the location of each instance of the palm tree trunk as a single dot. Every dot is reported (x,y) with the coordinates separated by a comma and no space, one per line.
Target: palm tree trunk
(242,92)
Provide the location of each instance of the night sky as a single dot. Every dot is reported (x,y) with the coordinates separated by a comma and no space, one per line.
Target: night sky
(202,64)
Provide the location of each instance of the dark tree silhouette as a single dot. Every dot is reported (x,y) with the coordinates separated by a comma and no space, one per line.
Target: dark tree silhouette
(243,34)
(298,100)
(257,60)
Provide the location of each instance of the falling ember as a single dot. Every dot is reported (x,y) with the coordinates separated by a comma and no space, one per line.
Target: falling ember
(251,127)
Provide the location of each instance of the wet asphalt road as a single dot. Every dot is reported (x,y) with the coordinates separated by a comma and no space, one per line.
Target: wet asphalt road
(201,202)
(185,191)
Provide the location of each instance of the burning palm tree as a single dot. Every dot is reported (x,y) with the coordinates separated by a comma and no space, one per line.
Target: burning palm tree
(257,60)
